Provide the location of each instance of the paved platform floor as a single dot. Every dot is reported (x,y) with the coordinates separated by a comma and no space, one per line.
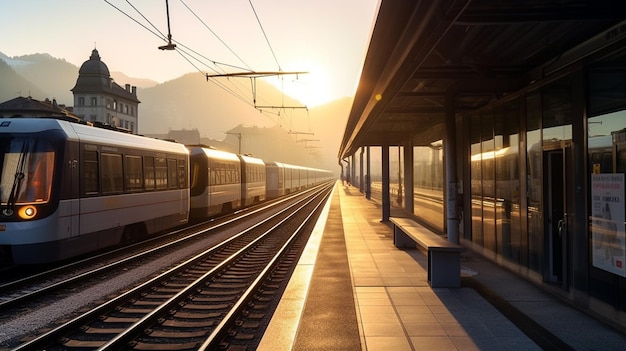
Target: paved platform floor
(354,290)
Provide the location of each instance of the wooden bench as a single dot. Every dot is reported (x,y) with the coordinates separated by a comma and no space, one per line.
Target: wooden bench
(444,257)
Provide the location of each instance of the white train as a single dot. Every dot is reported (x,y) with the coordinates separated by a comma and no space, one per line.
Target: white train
(67,189)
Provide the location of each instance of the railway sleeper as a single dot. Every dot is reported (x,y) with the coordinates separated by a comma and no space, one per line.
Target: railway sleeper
(176,323)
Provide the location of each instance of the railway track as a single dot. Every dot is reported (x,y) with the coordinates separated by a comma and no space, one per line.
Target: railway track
(29,286)
(157,293)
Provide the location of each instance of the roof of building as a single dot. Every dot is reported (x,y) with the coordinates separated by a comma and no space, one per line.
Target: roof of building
(94,77)
(27,106)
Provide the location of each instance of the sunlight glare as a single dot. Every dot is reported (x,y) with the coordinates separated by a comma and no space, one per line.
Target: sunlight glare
(311,89)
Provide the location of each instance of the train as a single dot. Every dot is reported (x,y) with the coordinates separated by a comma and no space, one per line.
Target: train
(68,189)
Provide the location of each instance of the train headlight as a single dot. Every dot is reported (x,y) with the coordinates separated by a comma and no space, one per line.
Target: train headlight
(27,212)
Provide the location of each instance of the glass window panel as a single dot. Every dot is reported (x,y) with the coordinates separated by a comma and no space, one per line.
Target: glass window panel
(172,173)
(148,171)
(90,172)
(428,184)
(507,181)
(606,143)
(134,173)
(27,169)
(488,173)
(476,175)
(112,173)
(160,172)
(534,184)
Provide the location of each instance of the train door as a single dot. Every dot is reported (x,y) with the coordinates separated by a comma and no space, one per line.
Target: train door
(557,170)
(74,192)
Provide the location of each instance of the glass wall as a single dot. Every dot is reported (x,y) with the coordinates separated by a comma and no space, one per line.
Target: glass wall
(534,178)
(396,175)
(489,184)
(507,205)
(428,184)
(606,144)
(476,178)
(376,176)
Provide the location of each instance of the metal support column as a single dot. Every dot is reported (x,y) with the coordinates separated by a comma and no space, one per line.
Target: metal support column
(353,171)
(386,197)
(361,178)
(449,155)
(408,176)
(368,180)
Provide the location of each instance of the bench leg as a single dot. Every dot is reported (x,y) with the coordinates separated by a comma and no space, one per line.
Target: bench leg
(401,240)
(444,269)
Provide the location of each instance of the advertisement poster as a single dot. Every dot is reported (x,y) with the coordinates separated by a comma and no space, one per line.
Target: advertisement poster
(607,224)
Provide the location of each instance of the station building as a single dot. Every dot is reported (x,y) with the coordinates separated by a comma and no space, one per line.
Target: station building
(502,126)
(97,98)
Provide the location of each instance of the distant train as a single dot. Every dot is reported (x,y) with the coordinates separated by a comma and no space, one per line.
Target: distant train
(67,188)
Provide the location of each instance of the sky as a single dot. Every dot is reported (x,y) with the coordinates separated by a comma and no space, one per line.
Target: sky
(326,38)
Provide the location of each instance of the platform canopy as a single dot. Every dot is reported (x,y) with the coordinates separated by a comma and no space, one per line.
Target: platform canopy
(425,55)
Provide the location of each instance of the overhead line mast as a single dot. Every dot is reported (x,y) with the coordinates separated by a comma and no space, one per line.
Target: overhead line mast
(170,45)
(254,75)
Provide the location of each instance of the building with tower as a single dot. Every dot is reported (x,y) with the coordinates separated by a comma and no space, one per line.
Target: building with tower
(97,98)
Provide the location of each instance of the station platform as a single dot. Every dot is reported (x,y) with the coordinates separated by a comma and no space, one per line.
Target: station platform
(354,290)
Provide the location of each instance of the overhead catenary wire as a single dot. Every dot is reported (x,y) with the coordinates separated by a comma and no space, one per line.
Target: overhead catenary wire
(195,59)
(215,34)
(188,54)
(265,35)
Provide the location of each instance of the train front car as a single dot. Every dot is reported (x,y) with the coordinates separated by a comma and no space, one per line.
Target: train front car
(68,189)
(32,156)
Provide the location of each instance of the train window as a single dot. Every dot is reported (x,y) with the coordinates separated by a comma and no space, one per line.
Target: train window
(172,173)
(90,172)
(237,170)
(211,176)
(133,174)
(34,160)
(229,173)
(148,172)
(160,172)
(223,173)
(182,174)
(112,174)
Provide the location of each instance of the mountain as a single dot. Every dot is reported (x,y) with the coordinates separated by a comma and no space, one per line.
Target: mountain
(54,77)
(137,82)
(13,85)
(210,106)
(191,102)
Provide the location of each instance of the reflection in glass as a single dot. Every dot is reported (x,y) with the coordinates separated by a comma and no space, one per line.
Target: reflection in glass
(507,181)
(476,180)
(534,181)
(428,184)
(489,189)
(606,144)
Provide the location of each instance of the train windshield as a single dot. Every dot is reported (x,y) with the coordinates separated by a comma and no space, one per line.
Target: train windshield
(27,168)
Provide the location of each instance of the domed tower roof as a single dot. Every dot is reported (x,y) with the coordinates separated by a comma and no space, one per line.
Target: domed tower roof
(94,65)
(93,75)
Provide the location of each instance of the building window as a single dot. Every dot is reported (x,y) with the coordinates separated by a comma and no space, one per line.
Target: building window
(94,101)
(81,101)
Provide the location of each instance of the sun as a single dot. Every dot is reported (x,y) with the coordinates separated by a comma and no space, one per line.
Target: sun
(311,88)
